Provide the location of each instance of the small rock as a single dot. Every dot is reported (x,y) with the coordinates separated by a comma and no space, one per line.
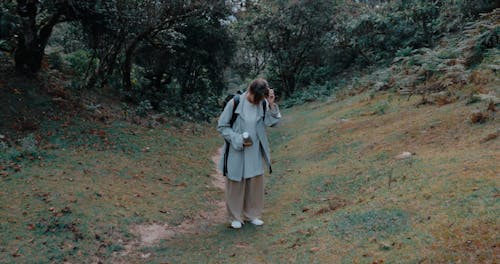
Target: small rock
(404,155)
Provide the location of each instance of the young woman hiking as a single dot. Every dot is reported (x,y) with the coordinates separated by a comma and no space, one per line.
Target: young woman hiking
(246,151)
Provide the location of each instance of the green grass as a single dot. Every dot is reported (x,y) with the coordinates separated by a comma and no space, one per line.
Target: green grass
(86,192)
(337,195)
(390,210)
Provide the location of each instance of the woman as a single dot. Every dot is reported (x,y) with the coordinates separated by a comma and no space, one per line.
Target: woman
(243,162)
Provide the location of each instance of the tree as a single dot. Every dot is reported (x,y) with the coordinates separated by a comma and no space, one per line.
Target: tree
(156,29)
(35,22)
(293,32)
(189,58)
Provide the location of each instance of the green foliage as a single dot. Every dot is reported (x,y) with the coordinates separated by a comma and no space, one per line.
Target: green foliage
(490,38)
(8,20)
(276,34)
(3,146)
(293,34)
(472,8)
(404,52)
(192,107)
(157,51)
(7,153)
(29,145)
(314,93)
(80,61)
(143,108)
(56,61)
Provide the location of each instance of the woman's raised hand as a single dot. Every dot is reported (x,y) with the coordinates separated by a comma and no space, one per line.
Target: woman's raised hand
(271,98)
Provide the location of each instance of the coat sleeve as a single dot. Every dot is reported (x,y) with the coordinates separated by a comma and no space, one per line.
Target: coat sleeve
(272,117)
(225,129)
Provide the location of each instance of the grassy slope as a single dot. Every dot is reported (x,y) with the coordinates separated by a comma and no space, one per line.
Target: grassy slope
(337,194)
(82,199)
(330,200)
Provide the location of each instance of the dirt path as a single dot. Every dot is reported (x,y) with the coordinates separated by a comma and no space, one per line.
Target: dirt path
(151,234)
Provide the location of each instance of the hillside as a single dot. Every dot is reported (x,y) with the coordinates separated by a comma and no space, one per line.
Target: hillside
(399,166)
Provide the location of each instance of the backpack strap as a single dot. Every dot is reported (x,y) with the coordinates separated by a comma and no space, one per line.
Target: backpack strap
(236,101)
(264,107)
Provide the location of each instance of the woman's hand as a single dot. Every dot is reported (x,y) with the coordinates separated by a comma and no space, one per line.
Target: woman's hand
(271,98)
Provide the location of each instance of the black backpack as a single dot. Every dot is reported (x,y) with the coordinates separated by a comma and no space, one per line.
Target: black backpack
(236,102)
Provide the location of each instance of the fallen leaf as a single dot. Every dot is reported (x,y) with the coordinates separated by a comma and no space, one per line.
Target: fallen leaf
(489,137)
(479,117)
(242,245)
(16,254)
(315,249)
(182,184)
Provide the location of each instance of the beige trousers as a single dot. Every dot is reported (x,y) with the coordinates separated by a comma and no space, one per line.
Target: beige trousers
(245,199)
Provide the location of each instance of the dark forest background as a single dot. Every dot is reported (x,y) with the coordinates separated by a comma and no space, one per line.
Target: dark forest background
(180,57)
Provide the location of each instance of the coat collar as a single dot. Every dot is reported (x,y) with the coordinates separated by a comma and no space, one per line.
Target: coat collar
(244,100)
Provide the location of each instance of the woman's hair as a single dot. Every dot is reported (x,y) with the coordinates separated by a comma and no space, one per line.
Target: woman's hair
(259,88)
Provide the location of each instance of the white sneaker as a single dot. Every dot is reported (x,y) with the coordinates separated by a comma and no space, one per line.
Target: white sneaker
(257,222)
(236,224)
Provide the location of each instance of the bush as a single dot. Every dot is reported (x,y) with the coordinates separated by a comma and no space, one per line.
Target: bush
(7,153)
(29,145)
(3,147)
(144,108)
(472,8)
(56,61)
(193,107)
(80,61)
(313,93)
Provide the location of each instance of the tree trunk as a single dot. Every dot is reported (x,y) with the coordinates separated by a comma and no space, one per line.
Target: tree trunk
(32,38)
(288,83)
(28,59)
(129,53)
(127,71)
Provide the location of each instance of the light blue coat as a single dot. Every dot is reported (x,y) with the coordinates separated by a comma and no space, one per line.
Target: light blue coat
(234,137)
